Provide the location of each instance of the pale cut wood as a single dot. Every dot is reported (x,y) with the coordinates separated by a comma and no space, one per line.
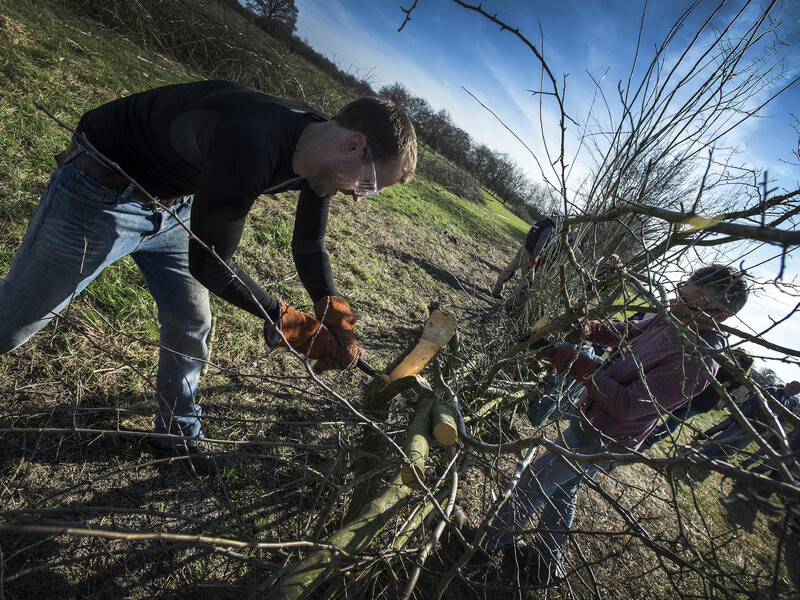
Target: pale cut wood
(445,429)
(408,476)
(438,330)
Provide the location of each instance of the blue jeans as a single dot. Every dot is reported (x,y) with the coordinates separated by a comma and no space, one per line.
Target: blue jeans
(560,391)
(79,228)
(550,481)
(766,466)
(724,444)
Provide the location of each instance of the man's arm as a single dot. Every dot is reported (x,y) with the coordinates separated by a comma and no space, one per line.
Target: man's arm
(308,245)
(605,333)
(231,179)
(670,384)
(314,268)
(220,228)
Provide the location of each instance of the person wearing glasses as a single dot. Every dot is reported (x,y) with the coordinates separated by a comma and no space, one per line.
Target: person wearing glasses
(204,151)
(651,373)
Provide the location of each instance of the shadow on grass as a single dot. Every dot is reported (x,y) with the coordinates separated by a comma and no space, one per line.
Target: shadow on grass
(442,275)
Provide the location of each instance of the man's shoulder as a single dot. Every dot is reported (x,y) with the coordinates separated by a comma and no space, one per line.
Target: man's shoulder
(297,107)
(540,227)
(229,96)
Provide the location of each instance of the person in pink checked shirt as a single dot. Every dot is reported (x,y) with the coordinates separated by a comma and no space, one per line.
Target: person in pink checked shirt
(650,373)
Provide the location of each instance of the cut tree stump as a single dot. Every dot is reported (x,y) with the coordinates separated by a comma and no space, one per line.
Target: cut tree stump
(445,428)
(403,375)
(304,577)
(418,443)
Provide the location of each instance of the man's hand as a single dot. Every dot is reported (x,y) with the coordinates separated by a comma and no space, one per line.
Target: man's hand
(576,333)
(584,332)
(337,315)
(545,354)
(303,332)
(563,355)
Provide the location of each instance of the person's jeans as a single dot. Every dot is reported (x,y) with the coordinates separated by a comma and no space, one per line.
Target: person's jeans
(550,481)
(726,442)
(521,260)
(79,228)
(766,467)
(560,391)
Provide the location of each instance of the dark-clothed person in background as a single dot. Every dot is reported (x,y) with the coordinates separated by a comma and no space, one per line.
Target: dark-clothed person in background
(729,436)
(602,272)
(528,255)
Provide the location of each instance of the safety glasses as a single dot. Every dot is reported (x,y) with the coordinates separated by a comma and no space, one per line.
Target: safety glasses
(691,304)
(367,184)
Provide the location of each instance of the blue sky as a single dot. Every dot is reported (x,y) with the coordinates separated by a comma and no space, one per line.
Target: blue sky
(445,49)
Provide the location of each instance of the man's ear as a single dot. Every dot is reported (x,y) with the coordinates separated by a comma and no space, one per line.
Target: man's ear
(355,141)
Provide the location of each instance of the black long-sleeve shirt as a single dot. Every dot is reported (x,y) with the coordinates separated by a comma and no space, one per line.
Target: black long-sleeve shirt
(226,144)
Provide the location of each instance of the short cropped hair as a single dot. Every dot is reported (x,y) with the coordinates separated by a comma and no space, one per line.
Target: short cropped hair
(729,282)
(389,131)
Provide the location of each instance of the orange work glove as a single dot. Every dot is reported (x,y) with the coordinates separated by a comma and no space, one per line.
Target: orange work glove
(303,332)
(583,366)
(337,315)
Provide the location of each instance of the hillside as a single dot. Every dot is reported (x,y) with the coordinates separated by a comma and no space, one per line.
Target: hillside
(78,399)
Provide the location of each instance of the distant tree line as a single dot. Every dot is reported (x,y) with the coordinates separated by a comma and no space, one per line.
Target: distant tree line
(276,17)
(496,171)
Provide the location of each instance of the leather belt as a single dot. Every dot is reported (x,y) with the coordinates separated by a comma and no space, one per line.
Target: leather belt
(107,176)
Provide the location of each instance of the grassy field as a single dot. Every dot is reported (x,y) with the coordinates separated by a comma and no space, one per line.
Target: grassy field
(78,399)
